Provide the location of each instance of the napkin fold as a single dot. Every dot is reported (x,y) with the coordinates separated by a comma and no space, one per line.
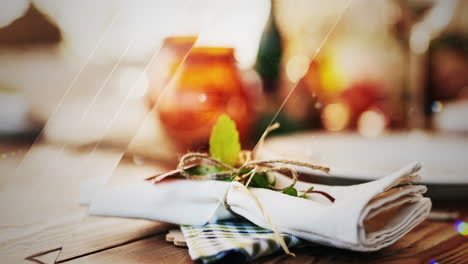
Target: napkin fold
(364,217)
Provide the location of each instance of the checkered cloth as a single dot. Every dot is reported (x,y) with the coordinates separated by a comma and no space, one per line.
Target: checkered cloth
(237,240)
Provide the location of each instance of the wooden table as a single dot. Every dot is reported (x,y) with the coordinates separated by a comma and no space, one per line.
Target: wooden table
(41,221)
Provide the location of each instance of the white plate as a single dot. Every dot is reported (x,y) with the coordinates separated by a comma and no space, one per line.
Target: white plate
(353,158)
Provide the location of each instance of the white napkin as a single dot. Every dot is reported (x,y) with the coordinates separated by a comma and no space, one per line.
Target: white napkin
(364,217)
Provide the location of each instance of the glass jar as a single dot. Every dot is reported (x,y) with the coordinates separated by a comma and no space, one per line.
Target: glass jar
(163,67)
(207,85)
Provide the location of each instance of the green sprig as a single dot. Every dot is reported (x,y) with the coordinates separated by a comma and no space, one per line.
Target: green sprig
(224,149)
(224,141)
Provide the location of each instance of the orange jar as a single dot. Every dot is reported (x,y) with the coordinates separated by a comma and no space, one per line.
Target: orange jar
(207,85)
(165,64)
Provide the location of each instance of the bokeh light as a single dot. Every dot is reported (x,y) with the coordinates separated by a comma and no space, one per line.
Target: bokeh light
(336,116)
(202,97)
(10,154)
(318,105)
(434,262)
(371,123)
(461,227)
(437,106)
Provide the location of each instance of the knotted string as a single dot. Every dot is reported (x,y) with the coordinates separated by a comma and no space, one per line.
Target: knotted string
(244,178)
(256,166)
(260,166)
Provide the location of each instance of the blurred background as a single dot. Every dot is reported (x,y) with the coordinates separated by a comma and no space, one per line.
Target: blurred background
(94,91)
(374,67)
(151,77)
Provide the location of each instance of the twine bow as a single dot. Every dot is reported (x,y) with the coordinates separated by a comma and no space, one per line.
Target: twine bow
(249,168)
(244,175)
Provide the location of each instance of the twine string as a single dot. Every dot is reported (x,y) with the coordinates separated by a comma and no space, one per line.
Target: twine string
(262,166)
(244,175)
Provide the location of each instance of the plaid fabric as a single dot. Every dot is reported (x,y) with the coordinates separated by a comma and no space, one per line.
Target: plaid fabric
(237,240)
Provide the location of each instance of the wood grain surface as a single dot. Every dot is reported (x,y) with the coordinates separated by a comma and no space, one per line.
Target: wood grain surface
(41,226)
(429,241)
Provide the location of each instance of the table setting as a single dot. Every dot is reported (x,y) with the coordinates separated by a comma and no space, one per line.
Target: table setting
(234,132)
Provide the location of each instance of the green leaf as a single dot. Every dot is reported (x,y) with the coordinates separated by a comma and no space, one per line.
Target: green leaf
(290,191)
(259,180)
(229,179)
(304,195)
(244,171)
(224,141)
(202,170)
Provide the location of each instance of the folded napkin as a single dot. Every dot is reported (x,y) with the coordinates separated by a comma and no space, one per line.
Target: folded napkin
(364,217)
(232,239)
